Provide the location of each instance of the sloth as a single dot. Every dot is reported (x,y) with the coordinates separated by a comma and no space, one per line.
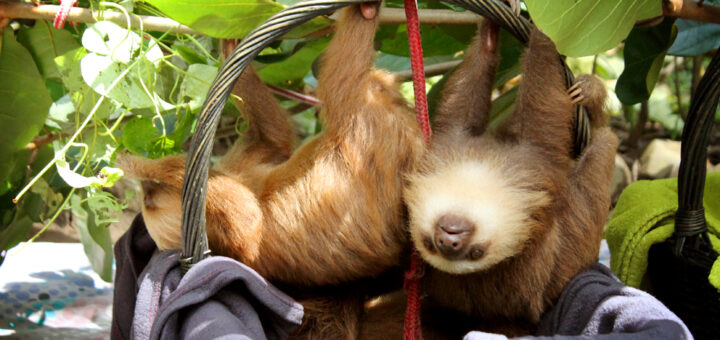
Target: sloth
(327,213)
(505,218)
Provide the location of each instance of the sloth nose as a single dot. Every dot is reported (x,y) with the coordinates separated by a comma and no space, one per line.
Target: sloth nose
(452,236)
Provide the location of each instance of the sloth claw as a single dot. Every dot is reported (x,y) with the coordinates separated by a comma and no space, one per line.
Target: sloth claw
(576,92)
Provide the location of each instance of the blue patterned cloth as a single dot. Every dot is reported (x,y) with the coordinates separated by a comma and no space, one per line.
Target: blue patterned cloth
(49,290)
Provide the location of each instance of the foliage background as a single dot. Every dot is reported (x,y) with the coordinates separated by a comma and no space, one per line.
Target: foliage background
(75,97)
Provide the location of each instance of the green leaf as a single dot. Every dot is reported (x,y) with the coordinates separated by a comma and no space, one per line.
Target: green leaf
(99,72)
(188,54)
(137,135)
(48,199)
(586,27)
(94,236)
(16,231)
(291,71)
(435,41)
(106,38)
(140,136)
(82,96)
(196,84)
(25,100)
(229,18)
(45,43)
(695,38)
(644,54)
(71,177)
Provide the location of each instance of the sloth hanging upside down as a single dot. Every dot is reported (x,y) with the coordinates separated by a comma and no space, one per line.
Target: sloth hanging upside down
(329,212)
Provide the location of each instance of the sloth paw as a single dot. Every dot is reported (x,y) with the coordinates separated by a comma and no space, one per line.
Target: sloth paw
(514,5)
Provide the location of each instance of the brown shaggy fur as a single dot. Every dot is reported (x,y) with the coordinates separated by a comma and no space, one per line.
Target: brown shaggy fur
(328,213)
(537,214)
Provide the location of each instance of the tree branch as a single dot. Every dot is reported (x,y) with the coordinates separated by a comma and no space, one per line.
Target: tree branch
(691,10)
(430,70)
(391,16)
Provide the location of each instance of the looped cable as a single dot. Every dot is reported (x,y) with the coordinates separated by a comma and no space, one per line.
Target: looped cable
(690,223)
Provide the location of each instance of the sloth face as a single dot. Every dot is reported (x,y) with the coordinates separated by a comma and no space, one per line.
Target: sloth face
(468,215)
(162,214)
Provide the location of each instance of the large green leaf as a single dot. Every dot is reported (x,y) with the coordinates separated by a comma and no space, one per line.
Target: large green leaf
(196,84)
(82,97)
(228,18)
(45,43)
(94,236)
(291,71)
(142,137)
(25,100)
(16,231)
(645,50)
(586,27)
(695,38)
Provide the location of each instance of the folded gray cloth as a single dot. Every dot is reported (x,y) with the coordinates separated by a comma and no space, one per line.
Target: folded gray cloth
(596,305)
(218,298)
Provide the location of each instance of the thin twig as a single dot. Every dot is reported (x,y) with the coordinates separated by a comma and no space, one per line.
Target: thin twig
(150,23)
(696,70)
(430,70)
(639,126)
(678,93)
(40,141)
(77,14)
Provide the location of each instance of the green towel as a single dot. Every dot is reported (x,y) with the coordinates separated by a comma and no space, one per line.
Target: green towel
(644,215)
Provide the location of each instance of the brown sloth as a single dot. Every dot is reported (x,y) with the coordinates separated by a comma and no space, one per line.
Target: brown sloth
(505,218)
(331,211)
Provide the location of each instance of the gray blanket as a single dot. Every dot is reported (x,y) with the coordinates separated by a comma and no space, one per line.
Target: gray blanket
(596,305)
(219,298)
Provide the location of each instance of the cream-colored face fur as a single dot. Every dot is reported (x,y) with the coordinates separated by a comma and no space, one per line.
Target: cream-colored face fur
(163,221)
(481,192)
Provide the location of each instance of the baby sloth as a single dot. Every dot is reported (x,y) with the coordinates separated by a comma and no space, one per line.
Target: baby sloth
(506,218)
(328,213)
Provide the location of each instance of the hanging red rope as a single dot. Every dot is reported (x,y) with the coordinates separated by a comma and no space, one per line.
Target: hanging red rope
(413,328)
(418,69)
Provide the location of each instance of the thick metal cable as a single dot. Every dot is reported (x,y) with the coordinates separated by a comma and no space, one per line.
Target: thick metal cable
(690,216)
(195,247)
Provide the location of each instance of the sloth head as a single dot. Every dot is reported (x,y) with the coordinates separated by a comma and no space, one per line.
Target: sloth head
(469,214)
(161,181)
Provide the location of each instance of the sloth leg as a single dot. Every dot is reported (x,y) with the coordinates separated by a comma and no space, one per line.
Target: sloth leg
(465,98)
(270,137)
(544,112)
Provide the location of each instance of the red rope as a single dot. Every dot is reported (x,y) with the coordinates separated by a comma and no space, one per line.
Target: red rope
(418,69)
(413,329)
(62,13)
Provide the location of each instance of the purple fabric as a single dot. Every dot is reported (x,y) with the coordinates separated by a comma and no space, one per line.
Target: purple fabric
(132,253)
